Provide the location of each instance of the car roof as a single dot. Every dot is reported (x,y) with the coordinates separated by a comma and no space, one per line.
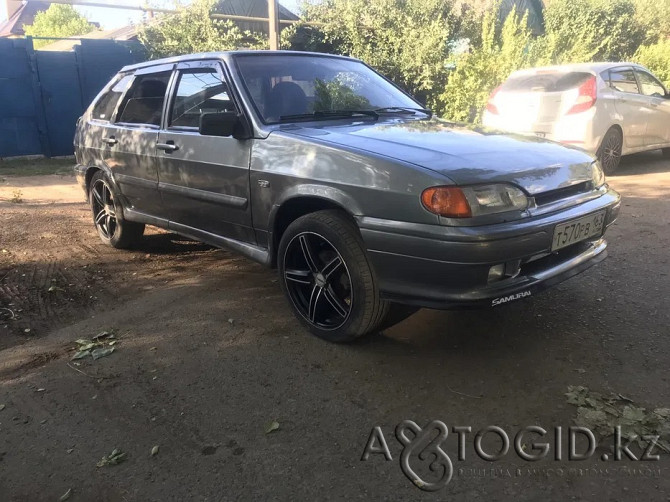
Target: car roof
(586,67)
(223,54)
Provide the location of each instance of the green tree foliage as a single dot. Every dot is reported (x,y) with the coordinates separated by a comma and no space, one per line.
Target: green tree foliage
(654,18)
(406,40)
(656,57)
(59,21)
(588,30)
(192,29)
(485,67)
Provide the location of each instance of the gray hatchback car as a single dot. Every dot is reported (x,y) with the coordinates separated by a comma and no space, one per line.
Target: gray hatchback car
(316,164)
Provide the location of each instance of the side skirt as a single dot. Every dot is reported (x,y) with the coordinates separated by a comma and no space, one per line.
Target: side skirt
(256,253)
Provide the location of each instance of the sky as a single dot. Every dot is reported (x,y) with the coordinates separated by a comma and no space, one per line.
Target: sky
(114,18)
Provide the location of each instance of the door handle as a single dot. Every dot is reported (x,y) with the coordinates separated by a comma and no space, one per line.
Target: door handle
(111,141)
(167,147)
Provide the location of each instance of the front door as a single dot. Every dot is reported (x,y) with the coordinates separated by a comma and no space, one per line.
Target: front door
(657,133)
(203,180)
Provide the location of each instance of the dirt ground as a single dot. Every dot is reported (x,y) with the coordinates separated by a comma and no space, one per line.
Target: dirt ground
(207,355)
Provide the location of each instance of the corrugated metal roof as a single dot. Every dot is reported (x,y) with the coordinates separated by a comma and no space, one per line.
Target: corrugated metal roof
(252,8)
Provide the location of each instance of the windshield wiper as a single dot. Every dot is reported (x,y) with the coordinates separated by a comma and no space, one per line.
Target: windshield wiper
(404,110)
(330,114)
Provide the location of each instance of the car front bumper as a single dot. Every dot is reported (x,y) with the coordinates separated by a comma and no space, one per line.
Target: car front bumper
(444,267)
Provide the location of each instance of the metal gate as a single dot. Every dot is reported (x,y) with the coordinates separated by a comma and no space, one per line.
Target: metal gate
(42,93)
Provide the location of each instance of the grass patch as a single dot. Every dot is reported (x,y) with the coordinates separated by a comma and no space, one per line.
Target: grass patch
(36,167)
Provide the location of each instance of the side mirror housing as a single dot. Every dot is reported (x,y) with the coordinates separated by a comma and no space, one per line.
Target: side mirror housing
(222,124)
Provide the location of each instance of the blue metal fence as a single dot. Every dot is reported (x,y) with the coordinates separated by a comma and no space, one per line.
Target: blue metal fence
(43,92)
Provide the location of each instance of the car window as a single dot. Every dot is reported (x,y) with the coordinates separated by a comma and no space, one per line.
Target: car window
(549,81)
(106,105)
(649,85)
(623,80)
(143,103)
(199,91)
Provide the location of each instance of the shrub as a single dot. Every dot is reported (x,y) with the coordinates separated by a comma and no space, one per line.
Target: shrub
(482,69)
(656,57)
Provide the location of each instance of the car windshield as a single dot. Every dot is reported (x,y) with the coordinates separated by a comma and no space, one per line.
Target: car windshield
(286,88)
(545,81)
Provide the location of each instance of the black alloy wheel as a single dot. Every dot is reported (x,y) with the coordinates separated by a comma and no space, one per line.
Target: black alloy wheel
(317,281)
(326,275)
(104,209)
(107,213)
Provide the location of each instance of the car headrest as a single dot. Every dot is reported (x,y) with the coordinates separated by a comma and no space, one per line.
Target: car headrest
(151,89)
(286,98)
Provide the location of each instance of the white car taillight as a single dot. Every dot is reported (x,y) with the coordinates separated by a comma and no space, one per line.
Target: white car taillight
(586,96)
(490,106)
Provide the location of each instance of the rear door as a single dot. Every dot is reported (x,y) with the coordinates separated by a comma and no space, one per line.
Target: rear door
(128,143)
(657,133)
(630,105)
(203,180)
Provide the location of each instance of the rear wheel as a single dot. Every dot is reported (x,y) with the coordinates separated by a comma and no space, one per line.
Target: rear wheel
(325,274)
(108,215)
(609,153)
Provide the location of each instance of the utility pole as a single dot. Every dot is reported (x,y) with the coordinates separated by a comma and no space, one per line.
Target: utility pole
(273,21)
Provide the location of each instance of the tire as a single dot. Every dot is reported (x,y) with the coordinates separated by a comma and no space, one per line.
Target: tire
(327,278)
(108,215)
(609,153)
(666,152)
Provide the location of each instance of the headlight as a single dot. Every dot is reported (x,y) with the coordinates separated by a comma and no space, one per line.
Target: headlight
(597,175)
(470,201)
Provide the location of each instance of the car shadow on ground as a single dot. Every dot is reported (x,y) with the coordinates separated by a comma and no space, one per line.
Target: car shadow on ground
(169,243)
(642,163)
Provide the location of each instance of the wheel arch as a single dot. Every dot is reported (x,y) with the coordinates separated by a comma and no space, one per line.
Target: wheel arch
(294,207)
(617,126)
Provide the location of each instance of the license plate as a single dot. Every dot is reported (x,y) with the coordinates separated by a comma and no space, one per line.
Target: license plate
(541,134)
(578,230)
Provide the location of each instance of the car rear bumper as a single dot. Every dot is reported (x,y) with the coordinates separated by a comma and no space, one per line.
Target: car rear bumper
(576,130)
(80,174)
(448,267)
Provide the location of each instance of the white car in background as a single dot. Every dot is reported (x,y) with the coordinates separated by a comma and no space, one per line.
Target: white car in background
(608,109)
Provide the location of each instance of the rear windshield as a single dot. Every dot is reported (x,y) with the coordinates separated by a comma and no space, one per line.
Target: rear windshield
(545,82)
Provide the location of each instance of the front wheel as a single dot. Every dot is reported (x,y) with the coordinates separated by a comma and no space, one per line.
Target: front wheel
(108,215)
(609,153)
(325,274)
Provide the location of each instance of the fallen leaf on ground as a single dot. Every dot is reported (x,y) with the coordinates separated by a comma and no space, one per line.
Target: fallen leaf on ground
(603,413)
(66,495)
(98,353)
(271,427)
(81,354)
(2,407)
(114,458)
(154,450)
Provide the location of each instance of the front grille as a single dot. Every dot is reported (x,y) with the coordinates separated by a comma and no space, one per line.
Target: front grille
(545,198)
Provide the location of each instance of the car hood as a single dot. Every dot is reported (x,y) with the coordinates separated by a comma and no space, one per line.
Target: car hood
(464,154)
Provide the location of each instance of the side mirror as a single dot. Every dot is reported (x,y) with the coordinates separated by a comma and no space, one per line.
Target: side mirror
(220,124)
